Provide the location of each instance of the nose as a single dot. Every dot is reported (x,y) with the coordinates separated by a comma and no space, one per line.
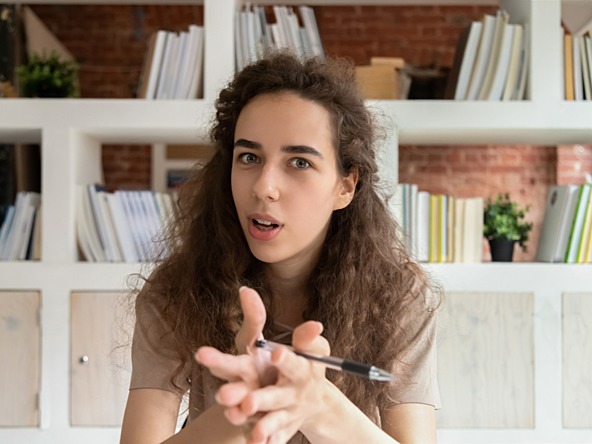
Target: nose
(266,186)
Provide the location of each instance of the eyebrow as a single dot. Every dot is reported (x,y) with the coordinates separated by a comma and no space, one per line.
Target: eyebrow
(291,149)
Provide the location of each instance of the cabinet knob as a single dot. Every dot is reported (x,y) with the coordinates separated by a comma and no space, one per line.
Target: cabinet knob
(83,359)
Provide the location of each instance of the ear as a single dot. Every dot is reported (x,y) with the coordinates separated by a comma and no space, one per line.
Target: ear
(347,189)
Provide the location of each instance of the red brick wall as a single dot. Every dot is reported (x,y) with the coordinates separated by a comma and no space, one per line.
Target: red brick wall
(526,172)
(109,43)
(422,35)
(573,162)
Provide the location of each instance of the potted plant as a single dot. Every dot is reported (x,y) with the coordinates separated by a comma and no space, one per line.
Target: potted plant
(48,76)
(504,225)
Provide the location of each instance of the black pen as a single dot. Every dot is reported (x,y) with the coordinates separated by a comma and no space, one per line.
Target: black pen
(355,368)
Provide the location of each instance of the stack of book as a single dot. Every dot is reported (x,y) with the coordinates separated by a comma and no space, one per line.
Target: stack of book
(124,226)
(578,66)
(20,233)
(576,18)
(173,66)
(491,61)
(438,227)
(254,36)
(566,234)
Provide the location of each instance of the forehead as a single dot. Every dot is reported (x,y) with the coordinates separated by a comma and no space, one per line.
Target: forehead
(288,111)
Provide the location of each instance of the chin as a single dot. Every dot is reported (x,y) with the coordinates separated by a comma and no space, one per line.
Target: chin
(265,255)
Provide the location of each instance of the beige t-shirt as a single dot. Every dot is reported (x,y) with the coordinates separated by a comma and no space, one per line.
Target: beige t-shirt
(154,360)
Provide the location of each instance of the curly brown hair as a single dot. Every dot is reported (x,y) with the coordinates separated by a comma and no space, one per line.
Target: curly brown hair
(364,279)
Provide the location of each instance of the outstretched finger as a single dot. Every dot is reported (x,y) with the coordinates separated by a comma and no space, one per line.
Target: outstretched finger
(227,367)
(254,316)
(307,338)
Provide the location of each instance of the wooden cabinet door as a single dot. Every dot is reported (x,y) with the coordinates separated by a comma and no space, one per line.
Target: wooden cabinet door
(19,358)
(102,328)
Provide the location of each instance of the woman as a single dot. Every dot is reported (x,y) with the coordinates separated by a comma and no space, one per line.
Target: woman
(289,207)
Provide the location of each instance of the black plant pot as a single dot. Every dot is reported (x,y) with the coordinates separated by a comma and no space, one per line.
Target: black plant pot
(502,250)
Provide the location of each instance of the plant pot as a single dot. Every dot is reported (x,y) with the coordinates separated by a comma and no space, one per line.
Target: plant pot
(502,250)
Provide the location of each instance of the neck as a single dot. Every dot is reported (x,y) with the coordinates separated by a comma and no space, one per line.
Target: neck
(289,293)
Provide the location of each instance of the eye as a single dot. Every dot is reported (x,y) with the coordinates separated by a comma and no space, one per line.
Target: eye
(300,163)
(248,158)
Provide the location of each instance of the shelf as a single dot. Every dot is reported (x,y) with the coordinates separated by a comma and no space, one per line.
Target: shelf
(513,277)
(107,120)
(418,121)
(35,275)
(455,122)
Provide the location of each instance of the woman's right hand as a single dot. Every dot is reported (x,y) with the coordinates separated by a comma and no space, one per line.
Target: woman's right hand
(254,317)
(251,368)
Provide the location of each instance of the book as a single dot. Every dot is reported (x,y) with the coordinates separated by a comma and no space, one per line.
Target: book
(34,248)
(18,236)
(6,227)
(168,67)
(100,219)
(473,230)
(459,223)
(26,229)
(423,226)
(443,227)
(312,31)
(195,88)
(183,59)
(435,229)
(586,238)
(451,216)
(466,50)
(587,65)
(452,78)
(577,68)
(482,57)
(86,228)
(122,229)
(520,92)
(114,246)
(133,220)
(147,66)
(578,222)
(568,67)
(516,53)
(500,29)
(502,66)
(558,217)
(156,64)
(196,85)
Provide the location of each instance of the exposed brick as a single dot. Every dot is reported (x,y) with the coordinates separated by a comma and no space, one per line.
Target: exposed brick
(110,42)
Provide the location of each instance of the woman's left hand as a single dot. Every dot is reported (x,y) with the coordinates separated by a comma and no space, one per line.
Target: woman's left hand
(293,403)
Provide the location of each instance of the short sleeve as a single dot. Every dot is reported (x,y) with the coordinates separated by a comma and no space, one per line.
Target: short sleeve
(416,365)
(154,357)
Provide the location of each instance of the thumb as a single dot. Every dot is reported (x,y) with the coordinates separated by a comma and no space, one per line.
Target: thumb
(254,316)
(307,338)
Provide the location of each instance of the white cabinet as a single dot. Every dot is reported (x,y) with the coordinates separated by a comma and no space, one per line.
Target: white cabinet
(71,133)
(20,358)
(101,328)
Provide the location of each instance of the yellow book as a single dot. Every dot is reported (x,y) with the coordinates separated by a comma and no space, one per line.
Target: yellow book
(434,229)
(586,239)
(568,68)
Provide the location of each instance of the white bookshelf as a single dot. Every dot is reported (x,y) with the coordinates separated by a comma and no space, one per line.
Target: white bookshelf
(71,133)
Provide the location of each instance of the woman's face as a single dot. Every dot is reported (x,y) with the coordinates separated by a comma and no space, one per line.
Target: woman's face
(285,181)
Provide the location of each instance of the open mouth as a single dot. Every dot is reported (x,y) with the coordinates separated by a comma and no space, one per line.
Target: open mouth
(264,225)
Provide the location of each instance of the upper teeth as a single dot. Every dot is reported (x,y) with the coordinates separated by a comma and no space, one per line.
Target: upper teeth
(263,222)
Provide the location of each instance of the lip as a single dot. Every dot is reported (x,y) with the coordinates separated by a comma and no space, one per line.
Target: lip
(260,235)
